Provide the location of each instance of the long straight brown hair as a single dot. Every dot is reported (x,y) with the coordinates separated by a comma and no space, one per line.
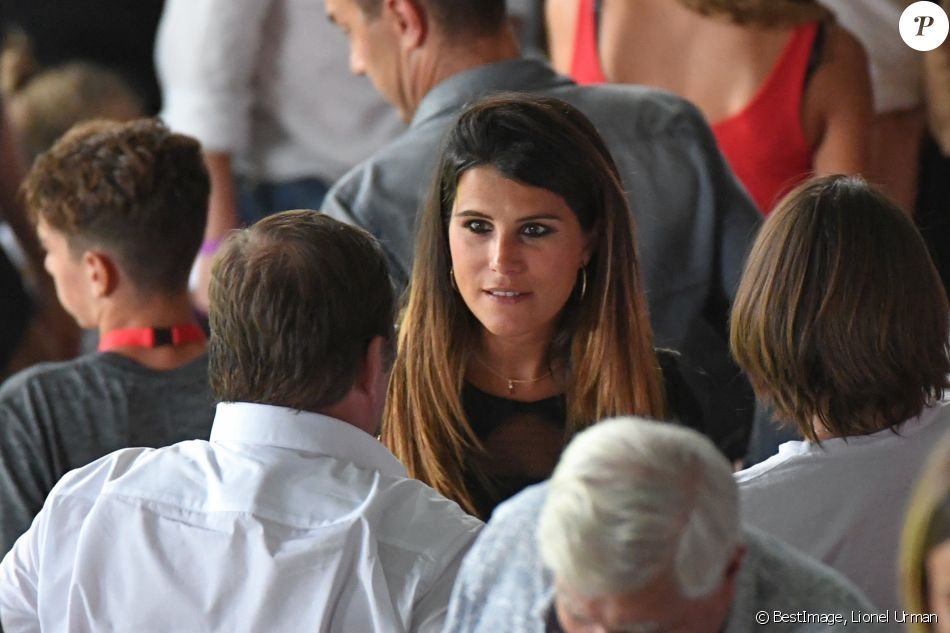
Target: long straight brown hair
(604,338)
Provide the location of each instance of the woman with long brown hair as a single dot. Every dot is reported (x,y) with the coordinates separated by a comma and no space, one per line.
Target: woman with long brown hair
(526,319)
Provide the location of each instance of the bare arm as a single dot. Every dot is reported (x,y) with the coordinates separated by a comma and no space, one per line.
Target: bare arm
(560,17)
(837,107)
(222,205)
(222,217)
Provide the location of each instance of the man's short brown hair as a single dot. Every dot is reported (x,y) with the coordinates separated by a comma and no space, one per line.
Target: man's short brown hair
(135,189)
(294,302)
(840,316)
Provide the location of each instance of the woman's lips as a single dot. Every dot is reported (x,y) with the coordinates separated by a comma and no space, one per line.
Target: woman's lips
(506,296)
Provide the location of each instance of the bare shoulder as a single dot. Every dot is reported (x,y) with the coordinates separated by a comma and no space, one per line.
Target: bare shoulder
(838,105)
(843,49)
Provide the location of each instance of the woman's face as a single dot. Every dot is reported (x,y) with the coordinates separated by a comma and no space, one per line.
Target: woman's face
(516,251)
(938,583)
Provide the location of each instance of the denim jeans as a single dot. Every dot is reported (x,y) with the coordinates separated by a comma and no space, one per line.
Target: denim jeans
(258,200)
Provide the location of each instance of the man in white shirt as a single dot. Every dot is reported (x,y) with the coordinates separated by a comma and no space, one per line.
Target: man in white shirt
(293,517)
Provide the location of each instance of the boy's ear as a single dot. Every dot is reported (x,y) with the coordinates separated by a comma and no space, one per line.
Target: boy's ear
(101,273)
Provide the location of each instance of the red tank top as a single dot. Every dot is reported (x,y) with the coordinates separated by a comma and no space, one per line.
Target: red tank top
(764,142)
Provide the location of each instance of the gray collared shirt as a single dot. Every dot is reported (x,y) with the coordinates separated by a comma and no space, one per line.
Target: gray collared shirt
(502,585)
(694,222)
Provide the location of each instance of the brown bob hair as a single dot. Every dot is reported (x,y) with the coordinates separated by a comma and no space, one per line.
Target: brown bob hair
(840,318)
(294,302)
(135,189)
(604,339)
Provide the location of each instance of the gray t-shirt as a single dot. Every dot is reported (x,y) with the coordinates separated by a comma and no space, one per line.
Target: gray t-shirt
(55,417)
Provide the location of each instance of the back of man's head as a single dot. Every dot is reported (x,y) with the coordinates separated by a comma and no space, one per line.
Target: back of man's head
(135,190)
(454,18)
(295,301)
(633,499)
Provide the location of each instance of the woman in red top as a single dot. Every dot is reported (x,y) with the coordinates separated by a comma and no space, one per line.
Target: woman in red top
(785,90)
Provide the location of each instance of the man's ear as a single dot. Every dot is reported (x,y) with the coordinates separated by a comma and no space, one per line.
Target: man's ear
(101,273)
(374,366)
(412,22)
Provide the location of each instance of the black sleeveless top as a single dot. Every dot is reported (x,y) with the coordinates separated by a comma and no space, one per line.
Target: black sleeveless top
(523,440)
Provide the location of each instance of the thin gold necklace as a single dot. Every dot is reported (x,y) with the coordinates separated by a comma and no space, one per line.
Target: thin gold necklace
(511,381)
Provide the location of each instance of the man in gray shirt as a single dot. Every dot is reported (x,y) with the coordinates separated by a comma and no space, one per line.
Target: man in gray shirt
(694,222)
(638,530)
(120,210)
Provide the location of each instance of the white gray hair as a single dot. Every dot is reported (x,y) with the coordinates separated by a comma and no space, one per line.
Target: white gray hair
(631,499)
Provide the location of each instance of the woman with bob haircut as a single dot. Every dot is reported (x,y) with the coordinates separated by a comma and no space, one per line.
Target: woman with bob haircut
(925,547)
(842,325)
(525,319)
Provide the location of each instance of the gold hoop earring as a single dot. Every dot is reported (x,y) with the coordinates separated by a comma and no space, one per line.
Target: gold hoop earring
(455,286)
(583,291)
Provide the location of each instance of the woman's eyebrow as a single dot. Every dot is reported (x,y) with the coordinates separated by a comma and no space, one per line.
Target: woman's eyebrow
(471,213)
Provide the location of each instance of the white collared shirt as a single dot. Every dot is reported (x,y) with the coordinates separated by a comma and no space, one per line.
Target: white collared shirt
(284,521)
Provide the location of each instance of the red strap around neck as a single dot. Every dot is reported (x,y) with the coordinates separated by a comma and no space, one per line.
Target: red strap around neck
(151,337)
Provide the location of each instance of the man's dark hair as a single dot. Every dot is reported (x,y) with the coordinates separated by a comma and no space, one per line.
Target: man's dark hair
(135,189)
(454,17)
(294,302)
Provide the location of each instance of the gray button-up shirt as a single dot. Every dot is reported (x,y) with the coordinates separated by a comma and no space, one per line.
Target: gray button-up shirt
(694,222)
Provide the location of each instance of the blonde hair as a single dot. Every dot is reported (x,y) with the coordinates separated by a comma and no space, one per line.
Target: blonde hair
(926,527)
(605,340)
(44,103)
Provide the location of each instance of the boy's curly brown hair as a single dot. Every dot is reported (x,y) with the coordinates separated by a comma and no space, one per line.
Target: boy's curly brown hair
(136,190)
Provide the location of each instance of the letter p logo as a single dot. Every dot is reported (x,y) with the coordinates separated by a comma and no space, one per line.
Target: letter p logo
(924,26)
(925,21)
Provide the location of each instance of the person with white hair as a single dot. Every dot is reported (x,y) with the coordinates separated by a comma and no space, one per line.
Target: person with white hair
(638,531)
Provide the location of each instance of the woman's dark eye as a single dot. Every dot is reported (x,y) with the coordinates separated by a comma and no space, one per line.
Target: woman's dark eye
(535,230)
(477,226)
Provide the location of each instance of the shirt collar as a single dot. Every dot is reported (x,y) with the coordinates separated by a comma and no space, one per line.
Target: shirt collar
(268,425)
(516,75)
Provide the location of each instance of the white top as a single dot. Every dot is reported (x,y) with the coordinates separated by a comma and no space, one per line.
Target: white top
(896,69)
(283,522)
(268,81)
(843,502)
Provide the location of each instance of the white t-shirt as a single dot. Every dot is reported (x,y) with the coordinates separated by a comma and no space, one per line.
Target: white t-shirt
(284,522)
(896,69)
(843,502)
(268,82)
